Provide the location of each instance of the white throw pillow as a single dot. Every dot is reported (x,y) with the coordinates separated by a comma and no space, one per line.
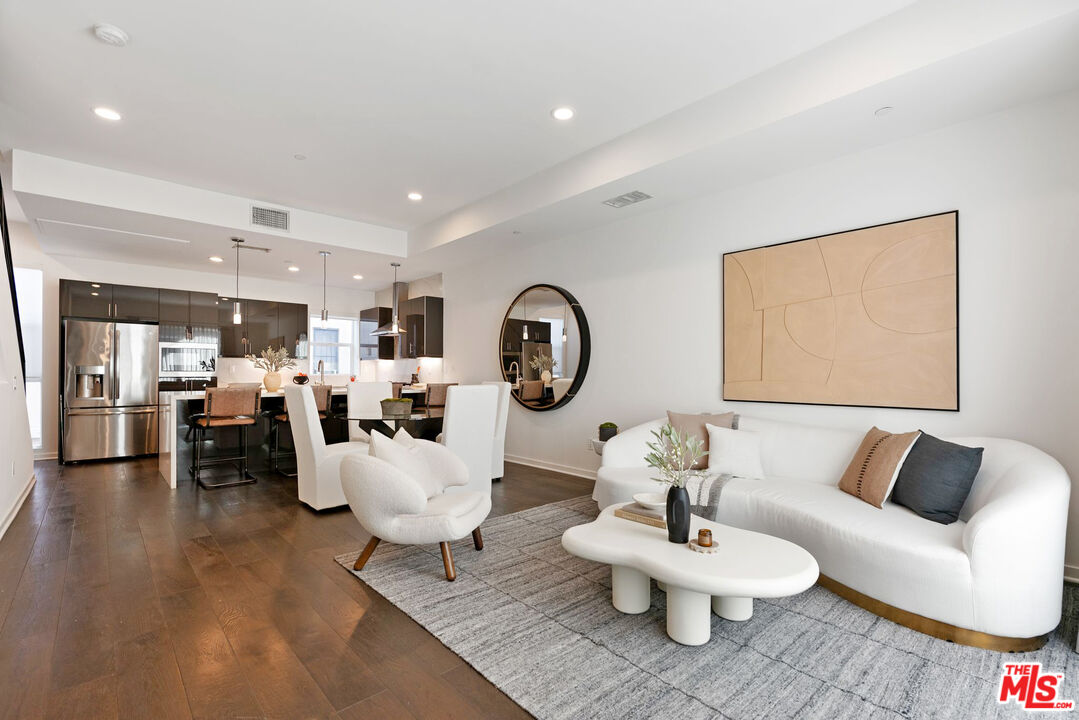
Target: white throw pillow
(734,452)
(403,452)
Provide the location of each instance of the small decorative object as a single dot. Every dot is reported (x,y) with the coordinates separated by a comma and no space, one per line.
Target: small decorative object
(352,378)
(652,501)
(607,431)
(545,364)
(301,378)
(704,537)
(397,407)
(695,546)
(272,361)
(416,376)
(674,454)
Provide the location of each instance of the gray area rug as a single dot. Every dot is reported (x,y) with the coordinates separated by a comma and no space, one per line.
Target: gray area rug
(539,624)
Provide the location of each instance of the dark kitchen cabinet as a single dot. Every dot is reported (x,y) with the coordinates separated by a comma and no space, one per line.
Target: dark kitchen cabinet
(174,308)
(422,318)
(135,303)
(233,337)
(292,328)
(262,325)
(203,309)
(85,300)
(375,347)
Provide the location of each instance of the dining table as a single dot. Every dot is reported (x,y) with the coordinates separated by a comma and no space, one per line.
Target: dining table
(423,423)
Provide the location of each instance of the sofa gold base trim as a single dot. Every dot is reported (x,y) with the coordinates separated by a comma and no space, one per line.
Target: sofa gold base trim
(936,628)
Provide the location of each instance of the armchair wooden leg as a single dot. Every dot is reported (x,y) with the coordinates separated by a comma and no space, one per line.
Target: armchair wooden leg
(366,554)
(477,539)
(447,560)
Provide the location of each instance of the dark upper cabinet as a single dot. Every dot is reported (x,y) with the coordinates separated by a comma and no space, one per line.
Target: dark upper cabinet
(262,325)
(175,308)
(375,347)
(233,337)
(292,329)
(85,300)
(422,318)
(135,303)
(203,308)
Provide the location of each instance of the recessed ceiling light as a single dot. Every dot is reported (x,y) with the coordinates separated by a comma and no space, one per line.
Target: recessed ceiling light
(357,277)
(881,112)
(293,268)
(110,34)
(562,113)
(94,285)
(107,113)
(299,156)
(94,294)
(216,258)
(415,196)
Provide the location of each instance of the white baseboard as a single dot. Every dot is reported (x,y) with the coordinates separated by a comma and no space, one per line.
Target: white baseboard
(18,504)
(1071,573)
(544,465)
(44,455)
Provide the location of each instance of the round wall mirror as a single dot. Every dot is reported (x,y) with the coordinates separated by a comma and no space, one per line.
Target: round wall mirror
(544,347)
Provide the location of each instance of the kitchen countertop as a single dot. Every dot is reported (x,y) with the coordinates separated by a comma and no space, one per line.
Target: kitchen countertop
(165,396)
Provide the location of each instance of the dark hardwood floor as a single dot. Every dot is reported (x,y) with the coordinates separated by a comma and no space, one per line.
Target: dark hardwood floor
(122,599)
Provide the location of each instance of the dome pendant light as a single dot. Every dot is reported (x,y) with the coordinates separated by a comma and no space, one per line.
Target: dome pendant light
(325,315)
(237,317)
(524,332)
(565,316)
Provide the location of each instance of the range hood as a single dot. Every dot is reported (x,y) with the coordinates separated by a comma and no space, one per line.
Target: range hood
(400,295)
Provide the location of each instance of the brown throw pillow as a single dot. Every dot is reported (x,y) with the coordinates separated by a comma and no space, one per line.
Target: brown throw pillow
(693,425)
(875,465)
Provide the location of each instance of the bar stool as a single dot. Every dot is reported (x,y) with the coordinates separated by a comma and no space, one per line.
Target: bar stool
(226,407)
(323,397)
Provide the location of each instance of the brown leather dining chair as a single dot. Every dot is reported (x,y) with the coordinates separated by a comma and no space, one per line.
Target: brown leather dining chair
(532,390)
(436,394)
(226,407)
(323,398)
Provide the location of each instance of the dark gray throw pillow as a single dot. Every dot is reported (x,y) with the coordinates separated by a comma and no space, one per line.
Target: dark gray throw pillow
(936,478)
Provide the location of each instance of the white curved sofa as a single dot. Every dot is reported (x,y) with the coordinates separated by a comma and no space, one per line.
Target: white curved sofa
(997,571)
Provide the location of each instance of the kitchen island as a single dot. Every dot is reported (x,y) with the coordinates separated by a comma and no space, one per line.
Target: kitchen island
(176,440)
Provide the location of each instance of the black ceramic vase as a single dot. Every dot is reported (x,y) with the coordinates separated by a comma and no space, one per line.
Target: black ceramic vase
(678,515)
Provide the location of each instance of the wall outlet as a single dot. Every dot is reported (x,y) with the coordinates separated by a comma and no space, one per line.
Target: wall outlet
(588,444)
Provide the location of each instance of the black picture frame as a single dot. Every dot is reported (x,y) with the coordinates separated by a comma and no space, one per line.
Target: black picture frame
(723,320)
(586,346)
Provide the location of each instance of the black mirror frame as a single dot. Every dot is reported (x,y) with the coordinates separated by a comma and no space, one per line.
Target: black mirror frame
(586,345)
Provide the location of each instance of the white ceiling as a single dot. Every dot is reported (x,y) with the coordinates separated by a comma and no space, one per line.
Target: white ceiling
(451,99)
(384,98)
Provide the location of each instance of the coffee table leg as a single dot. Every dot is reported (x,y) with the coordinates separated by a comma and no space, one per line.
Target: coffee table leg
(631,592)
(689,617)
(733,608)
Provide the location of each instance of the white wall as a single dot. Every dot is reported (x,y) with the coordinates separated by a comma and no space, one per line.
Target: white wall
(16,451)
(651,289)
(27,253)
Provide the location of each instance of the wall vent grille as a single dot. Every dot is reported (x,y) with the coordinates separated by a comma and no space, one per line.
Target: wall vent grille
(269,217)
(628,199)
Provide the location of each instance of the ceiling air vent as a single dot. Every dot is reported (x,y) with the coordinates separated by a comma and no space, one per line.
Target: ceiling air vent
(628,199)
(269,217)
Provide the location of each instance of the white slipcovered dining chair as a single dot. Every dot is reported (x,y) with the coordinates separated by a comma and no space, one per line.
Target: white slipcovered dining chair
(318,465)
(365,398)
(468,430)
(498,453)
(398,494)
(561,386)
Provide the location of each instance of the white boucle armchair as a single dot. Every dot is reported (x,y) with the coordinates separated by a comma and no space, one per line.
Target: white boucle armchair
(393,506)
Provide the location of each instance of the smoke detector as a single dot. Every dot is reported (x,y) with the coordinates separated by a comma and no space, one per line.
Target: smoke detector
(110,34)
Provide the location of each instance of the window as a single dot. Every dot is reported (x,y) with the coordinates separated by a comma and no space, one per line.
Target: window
(334,345)
(28,288)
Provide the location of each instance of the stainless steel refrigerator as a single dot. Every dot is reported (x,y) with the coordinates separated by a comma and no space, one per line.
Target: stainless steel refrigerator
(109,400)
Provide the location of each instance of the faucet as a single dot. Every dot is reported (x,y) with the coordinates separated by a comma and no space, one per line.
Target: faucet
(321,374)
(513,366)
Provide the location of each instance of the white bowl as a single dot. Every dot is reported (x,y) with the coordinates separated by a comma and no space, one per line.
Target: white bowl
(652,501)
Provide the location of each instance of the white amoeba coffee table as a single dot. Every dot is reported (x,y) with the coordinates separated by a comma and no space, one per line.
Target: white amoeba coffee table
(748,565)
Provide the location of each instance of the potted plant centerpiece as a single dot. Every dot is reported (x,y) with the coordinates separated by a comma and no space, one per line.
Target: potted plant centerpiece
(396,407)
(545,364)
(273,362)
(674,454)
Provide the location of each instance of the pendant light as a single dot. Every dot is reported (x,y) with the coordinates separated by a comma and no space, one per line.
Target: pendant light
(565,316)
(237,317)
(325,315)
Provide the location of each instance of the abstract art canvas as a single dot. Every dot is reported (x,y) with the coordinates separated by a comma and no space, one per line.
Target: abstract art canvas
(864,317)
